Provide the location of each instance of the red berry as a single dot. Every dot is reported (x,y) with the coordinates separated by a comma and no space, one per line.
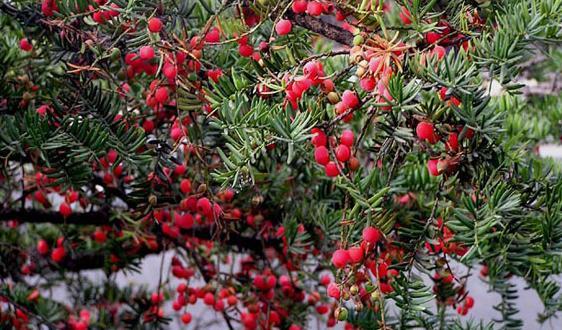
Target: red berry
(321,155)
(58,254)
(231,300)
(355,254)
(283,27)
(299,6)
(204,206)
(209,299)
(452,142)
(333,290)
(319,138)
(25,45)
(184,221)
(455,101)
(42,247)
(213,35)
(98,17)
(100,236)
(443,93)
(185,186)
(219,306)
(314,8)
(432,167)
(245,50)
(343,153)
(154,25)
(259,282)
(65,209)
(186,318)
(112,156)
(331,170)
(371,235)
(405,16)
(72,196)
(354,164)
(156,297)
(180,169)
(368,83)
(340,258)
(146,53)
(161,94)
(228,195)
(425,130)
(81,325)
(271,281)
(469,302)
(170,71)
(350,99)
(347,138)
(432,37)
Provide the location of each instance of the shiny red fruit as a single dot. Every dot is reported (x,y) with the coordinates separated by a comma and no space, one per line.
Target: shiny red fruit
(154,25)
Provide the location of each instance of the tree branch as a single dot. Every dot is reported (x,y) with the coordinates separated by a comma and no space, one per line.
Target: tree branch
(99,218)
(321,27)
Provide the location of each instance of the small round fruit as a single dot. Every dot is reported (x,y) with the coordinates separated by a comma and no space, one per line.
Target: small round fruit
(154,25)
(340,258)
(347,138)
(25,45)
(146,53)
(432,167)
(425,130)
(283,27)
(358,40)
(371,235)
(321,155)
(331,170)
(186,318)
(343,153)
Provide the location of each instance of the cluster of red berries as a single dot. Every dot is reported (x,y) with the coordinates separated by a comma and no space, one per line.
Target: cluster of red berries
(426,132)
(101,16)
(80,323)
(44,186)
(111,170)
(57,254)
(354,255)
(313,75)
(49,7)
(342,152)
(141,62)
(444,36)
(450,294)
(312,8)
(359,285)
(466,306)
(445,242)
(374,72)
(259,313)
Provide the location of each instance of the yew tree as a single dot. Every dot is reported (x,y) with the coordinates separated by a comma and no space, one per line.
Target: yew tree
(346,162)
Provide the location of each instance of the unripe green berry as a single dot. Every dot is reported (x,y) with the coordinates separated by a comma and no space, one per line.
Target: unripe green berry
(354,289)
(115,54)
(358,40)
(341,313)
(375,296)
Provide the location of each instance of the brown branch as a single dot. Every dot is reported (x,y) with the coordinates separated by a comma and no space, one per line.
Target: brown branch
(99,218)
(321,27)
(102,217)
(76,262)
